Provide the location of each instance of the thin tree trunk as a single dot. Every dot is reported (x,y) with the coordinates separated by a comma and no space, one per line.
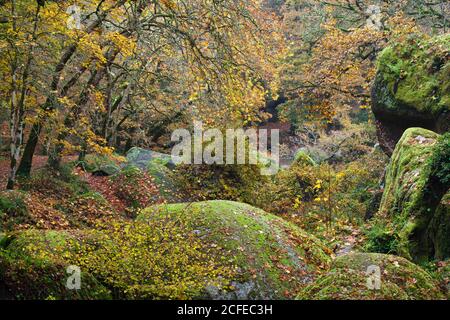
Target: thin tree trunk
(54,159)
(18,107)
(50,103)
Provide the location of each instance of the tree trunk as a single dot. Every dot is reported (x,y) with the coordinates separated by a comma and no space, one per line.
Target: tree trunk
(33,139)
(16,143)
(24,169)
(18,107)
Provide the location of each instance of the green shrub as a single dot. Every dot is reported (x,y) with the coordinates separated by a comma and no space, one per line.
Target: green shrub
(439,161)
(381,238)
(13,209)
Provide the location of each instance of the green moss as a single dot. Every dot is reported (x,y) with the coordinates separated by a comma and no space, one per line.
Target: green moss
(43,277)
(381,238)
(413,191)
(440,161)
(417,74)
(273,255)
(13,209)
(440,227)
(341,284)
(400,279)
(302,158)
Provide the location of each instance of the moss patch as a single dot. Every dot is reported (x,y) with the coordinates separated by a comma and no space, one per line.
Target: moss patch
(415,184)
(40,277)
(400,280)
(417,74)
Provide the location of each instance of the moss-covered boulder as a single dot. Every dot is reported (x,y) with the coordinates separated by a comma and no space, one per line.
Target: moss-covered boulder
(413,204)
(272,258)
(440,224)
(212,250)
(160,166)
(27,271)
(101,165)
(412,88)
(142,158)
(351,278)
(134,260)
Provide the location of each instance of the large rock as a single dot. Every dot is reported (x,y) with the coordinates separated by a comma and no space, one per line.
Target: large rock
(212,250)
(100,165)
(273,258)
(412,88)
(413,202)
(31,268)
(350,278)
(142,158)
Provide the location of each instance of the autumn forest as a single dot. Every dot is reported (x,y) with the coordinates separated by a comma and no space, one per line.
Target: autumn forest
(224,150)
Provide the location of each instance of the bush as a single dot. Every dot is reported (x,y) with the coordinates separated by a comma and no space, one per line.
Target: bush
(135,187)
(226,182)
(56,184)
(381,238)
(13,209)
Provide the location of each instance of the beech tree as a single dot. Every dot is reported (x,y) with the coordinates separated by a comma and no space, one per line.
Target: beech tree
(132,69)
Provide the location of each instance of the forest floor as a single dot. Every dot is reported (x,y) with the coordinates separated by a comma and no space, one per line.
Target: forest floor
(38,162)
(96,183)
